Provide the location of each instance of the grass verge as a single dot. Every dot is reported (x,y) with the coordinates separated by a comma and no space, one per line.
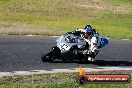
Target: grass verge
(112,18)
(55,80)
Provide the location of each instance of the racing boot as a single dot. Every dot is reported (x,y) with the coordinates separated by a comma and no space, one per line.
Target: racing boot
(91,59)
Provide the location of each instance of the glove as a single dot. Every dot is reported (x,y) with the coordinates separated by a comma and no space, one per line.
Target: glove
(69,32)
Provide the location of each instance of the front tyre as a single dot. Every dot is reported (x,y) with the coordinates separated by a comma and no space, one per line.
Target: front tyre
(52,55)
(47,58)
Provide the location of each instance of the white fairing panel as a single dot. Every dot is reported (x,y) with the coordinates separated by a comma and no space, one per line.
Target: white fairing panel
(65,46)
(94,40)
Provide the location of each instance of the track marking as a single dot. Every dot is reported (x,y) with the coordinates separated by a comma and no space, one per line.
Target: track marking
(125,39)
(30,72)
(29,35)
(54,36)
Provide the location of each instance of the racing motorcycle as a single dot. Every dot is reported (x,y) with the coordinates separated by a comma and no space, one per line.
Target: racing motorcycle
(66,50)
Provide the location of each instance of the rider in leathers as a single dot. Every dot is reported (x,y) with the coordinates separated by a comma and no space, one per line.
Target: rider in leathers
(92,37)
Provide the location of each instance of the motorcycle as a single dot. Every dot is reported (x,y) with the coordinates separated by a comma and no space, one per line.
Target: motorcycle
(70,47)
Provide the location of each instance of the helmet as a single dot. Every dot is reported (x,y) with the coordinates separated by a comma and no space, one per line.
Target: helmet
(88,28)
(88,31)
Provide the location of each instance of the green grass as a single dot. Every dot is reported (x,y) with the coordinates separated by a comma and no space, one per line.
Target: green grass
(65,85)
(54,17)
(56,80)
(120,1)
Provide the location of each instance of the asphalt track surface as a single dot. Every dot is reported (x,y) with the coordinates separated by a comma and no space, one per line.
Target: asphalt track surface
(23,53)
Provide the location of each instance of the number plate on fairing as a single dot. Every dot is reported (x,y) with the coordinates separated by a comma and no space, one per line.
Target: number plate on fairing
(64,47)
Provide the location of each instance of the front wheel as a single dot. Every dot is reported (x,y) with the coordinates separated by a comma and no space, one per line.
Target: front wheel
(52,55)
(48,57)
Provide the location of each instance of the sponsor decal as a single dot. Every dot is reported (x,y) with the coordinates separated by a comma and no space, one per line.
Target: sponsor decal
(101,78)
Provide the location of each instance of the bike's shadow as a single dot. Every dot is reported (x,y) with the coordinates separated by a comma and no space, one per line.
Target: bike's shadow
(100,63)
(112,63)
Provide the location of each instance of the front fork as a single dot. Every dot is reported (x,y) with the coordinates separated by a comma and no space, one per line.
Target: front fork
(56,52)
